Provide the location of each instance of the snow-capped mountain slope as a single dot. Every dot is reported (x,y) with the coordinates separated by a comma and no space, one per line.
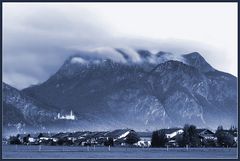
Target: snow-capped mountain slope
(161,90)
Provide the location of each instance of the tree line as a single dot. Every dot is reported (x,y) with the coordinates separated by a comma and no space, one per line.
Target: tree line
(191,138)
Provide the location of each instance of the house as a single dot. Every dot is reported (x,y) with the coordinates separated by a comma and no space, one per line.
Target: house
(120,136)
(205,134)
(97,138)
(81,138)
(90,138)
(24,138)
(60,135)
(171,135)
(207,137)
(234,133)
(80,141)
(76,136)
(28,139)
(33,139)
(45,138)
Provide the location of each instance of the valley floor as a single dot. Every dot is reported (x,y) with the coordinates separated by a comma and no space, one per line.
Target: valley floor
(74,152)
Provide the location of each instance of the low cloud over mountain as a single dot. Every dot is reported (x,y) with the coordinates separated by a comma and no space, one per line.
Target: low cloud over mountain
(158,90)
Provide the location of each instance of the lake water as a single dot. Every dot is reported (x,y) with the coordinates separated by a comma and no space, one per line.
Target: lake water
(73,152)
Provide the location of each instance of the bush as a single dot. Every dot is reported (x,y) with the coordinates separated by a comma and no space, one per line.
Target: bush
(225,139)
(64,141)
(108,142)
(189,137)
(26,139)
(159,139)
(179,140)
(209,143)
(14,140)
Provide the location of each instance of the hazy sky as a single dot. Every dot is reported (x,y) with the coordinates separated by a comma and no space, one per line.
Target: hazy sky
(38,37)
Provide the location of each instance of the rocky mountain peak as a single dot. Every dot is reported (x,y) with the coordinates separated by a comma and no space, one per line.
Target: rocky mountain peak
(196,60)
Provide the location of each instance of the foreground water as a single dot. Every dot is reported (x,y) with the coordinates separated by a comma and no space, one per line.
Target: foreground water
(74,152)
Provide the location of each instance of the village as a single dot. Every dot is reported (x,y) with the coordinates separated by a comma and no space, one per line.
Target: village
(188,136)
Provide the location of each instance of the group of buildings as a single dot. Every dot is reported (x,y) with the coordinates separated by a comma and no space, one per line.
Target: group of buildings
(71,116)
(119,137)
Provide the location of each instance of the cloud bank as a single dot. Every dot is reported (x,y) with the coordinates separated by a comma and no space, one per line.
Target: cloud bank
(38,38)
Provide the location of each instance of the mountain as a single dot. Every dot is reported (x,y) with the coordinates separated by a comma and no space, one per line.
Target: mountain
(163,90)
(21,112)
(196,60)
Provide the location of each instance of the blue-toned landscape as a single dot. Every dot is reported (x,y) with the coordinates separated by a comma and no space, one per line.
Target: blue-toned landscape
(92,93)
(119,80)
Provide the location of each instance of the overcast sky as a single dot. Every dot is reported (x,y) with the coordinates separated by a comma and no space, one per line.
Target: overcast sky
(38,37)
